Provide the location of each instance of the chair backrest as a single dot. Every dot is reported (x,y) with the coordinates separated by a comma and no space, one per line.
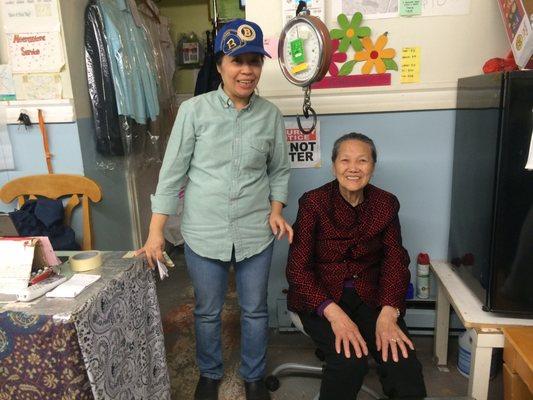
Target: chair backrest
(54,186)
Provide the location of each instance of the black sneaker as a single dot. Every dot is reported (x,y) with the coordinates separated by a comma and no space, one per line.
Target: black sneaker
(206,389)
(256,390)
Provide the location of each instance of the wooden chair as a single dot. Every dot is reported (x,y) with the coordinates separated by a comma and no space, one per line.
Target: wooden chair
(54,186)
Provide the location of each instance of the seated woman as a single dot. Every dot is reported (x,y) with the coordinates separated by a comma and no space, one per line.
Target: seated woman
(348,275)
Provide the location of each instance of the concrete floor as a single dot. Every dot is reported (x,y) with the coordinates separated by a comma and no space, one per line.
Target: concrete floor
(296,347)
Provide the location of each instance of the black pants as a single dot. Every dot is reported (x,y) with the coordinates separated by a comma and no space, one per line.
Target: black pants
(343,376)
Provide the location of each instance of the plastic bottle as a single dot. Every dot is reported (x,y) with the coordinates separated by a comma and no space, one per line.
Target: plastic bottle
(422,276)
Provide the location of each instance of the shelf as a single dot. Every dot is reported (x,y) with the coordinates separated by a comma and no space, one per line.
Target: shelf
(54,111)
(417,300)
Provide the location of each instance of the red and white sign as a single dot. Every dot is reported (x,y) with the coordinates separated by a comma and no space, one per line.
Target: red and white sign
(35,52)
(304,149)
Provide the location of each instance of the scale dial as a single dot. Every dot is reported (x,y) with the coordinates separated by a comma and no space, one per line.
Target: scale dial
(304,50)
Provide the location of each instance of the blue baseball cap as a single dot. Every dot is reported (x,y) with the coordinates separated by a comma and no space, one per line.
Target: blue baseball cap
(240,36)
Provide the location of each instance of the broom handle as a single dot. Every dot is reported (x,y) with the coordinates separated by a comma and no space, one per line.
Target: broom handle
(45,142)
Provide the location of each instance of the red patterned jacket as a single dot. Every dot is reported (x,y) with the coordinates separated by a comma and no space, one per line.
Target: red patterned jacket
(334,241)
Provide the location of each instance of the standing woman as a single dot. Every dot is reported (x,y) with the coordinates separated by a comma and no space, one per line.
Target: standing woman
(231,145)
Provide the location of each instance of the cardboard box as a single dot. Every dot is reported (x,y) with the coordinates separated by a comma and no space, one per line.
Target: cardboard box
(518,19)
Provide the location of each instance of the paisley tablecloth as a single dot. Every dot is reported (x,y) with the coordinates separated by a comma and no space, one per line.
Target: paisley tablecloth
(119,352)
(40,359)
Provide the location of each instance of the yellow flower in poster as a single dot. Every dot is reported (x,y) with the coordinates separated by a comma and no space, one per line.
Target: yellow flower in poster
(376,56)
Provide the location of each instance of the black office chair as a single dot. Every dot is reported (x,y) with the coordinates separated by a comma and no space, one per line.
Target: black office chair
(272,381)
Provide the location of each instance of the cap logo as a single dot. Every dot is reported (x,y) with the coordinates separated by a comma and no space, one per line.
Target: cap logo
(231,42)
(246,32)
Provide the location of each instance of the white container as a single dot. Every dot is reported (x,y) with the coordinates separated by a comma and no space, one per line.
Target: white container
(422,281)
(465,352)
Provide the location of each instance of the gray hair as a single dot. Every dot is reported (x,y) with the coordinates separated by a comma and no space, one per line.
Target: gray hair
(353,136)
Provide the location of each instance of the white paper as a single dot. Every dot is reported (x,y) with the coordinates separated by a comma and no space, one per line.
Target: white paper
(304,149)
(445,7)
(529,162)
(375,9)
(35,52)
(370,9)
(316,7)
(7,85)
(74,286)
(30,15)
(39,87)
(163,271)
(6,151)
(15,264)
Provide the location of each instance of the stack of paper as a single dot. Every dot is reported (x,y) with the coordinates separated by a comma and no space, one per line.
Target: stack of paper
(73,286)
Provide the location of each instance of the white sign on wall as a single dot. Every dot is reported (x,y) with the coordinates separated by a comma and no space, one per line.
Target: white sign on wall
(35,52)
(304,149)
(30,15)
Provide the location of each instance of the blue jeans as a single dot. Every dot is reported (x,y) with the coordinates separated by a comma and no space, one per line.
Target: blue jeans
(210,281)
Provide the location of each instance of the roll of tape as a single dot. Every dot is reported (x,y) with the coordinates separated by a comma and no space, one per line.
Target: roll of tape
(85,261)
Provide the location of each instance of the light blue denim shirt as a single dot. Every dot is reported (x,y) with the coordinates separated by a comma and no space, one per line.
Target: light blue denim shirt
(132,62)
(237,162)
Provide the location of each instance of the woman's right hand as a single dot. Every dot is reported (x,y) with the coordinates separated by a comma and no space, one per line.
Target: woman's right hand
(153,249)
(346,331)
(155,244)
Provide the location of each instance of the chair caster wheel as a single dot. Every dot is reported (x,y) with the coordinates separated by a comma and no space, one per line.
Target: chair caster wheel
(320,354)
(272,383)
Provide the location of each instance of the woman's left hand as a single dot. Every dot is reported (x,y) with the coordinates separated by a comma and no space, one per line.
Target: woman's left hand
(389,334)
(279,226)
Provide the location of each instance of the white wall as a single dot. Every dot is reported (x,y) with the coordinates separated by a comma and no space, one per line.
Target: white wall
(451,47)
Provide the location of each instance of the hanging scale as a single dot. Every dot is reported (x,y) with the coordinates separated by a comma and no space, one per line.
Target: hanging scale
(304,55)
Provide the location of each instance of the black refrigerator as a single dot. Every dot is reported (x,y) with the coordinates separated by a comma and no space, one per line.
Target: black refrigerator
(491,219)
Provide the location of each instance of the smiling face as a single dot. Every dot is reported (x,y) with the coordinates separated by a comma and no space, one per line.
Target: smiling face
(353,168)
(240,75)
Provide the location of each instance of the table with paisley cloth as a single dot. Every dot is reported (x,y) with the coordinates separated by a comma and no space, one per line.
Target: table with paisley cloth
(107,343)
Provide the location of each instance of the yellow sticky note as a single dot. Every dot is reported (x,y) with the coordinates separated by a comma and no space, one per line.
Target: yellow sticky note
(299,68)
(410,65)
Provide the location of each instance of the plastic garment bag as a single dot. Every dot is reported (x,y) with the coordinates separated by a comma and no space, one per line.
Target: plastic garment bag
(100,82)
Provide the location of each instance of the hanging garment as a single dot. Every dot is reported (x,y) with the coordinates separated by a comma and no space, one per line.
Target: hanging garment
(162,47)
(132,62)
(158,28)
(208,77)
(100,81)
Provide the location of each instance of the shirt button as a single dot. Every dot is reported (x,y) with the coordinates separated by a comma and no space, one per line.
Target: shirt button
(355,276)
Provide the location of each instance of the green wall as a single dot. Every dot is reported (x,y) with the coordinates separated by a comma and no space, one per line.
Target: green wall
(186,16)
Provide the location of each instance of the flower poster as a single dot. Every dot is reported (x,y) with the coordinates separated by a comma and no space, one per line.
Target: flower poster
(354,50)
(304,149)
(30,15)
(35,52)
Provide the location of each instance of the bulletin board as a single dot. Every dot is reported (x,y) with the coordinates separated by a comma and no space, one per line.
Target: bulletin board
(451,46)
(33,56)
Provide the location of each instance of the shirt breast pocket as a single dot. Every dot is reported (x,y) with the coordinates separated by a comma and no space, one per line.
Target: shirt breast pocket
(256,154)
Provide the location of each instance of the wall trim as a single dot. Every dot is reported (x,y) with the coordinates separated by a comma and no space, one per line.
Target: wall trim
(366,100)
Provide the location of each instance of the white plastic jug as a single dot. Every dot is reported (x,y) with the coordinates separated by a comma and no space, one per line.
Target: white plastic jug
(464,357)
